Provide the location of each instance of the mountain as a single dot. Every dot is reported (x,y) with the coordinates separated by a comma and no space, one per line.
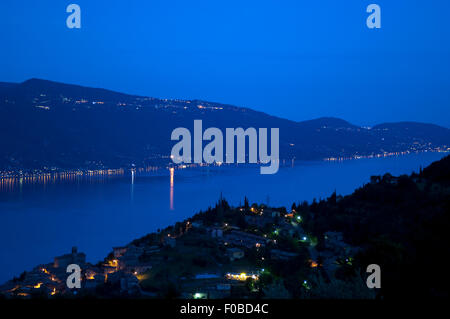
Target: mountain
(328,122)
(397,223)
(47,123)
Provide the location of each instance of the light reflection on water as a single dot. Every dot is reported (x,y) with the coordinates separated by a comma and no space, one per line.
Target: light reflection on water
(172,172)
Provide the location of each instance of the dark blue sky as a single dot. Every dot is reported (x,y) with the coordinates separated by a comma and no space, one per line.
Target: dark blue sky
(295,59)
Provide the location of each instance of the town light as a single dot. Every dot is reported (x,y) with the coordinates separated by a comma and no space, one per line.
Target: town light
(242,276)
(306,285)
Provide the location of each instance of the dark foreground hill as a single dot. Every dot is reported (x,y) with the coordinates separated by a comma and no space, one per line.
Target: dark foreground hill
(47,124)
(400,223)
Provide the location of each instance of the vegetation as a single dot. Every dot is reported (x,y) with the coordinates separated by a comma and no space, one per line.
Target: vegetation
(400,223)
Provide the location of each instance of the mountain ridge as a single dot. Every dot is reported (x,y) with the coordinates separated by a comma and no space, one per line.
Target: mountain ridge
(334,120)
(64,125)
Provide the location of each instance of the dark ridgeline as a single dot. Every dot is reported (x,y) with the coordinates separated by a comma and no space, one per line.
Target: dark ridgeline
(400,223)
(46,123)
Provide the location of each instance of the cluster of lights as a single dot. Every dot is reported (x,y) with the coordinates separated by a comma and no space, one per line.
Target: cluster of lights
(306,285)
(242,276)
(45,271)
(113,263)
(90,276)
(198,295)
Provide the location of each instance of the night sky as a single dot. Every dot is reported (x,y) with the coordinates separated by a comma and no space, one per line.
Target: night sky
(294,59)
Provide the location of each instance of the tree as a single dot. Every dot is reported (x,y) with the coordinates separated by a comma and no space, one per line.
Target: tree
(355,288)
(246,205)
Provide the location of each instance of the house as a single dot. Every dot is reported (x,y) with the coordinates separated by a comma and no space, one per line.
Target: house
(140,268)
(206,276)
(152,250)
(290,229)
(258,220)
(225,287)
(243,239)
(91,272)
(93,279)
(197,224)
(119,251)
(235,253)
(216,232)
(282,255)
(276,214)
(130,258)
(205,287)
(74,258)
(129,284)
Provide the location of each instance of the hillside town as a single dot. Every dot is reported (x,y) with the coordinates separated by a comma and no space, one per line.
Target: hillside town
(225,252)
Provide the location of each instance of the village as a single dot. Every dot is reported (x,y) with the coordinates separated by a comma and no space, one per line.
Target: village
(225,252)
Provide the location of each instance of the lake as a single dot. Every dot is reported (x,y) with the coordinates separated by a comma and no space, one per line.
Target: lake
(41,220)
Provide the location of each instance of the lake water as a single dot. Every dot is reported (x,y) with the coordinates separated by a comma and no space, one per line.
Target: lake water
(39,221)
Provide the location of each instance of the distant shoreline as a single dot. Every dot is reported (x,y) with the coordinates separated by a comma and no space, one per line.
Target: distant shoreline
(36,175)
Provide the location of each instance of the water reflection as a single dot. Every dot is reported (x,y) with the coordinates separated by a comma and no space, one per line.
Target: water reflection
(172,170)
(14,183)
(133,173)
